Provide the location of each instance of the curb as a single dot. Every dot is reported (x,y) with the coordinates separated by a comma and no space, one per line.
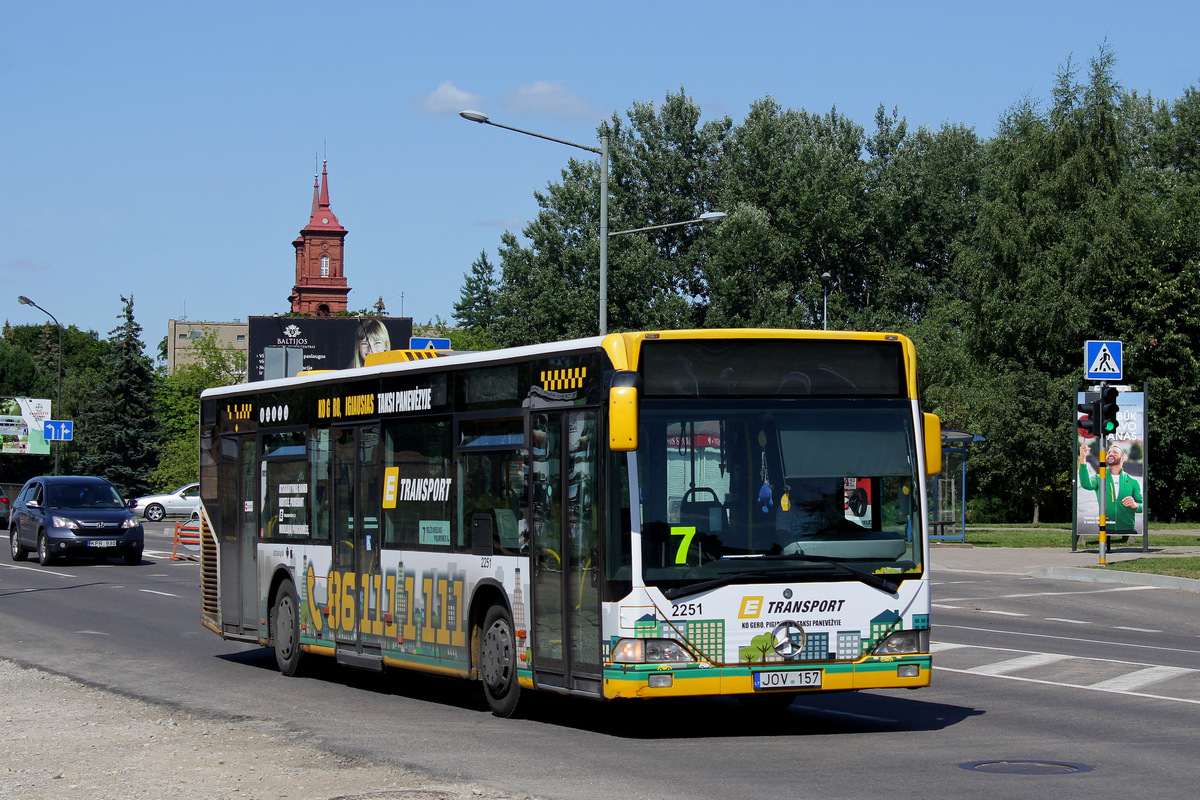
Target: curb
(1097,575)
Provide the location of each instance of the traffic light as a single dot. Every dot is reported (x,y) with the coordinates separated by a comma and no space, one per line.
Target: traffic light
(1108,409)
(1089,423)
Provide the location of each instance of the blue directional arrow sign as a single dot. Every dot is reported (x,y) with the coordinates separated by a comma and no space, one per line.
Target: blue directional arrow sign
(58,430)
(1102,361)
(420,343)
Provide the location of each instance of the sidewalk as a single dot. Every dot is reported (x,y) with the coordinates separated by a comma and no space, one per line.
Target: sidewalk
(1057,563)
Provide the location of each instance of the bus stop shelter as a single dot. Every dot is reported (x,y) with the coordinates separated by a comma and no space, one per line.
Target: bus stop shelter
(948,489)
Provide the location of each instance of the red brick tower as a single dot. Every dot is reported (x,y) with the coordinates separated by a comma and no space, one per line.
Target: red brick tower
(320,287)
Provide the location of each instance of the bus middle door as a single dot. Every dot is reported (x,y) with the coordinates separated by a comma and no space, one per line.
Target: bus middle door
(355,582)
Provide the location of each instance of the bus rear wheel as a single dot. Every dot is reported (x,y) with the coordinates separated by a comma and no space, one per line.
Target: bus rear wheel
(285,628)
(498,662)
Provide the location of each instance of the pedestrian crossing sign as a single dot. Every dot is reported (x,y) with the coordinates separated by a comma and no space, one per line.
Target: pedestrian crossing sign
(1102,361)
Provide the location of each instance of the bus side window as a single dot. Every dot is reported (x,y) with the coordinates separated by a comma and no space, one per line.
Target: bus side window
(417,463)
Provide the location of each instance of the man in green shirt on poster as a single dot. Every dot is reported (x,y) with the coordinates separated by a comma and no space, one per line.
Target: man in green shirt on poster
(1124,496)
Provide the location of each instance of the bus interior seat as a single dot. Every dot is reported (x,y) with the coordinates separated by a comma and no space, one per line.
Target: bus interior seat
(704,514)
(506,526)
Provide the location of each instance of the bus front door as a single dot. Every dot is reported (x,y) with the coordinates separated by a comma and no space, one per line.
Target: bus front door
(565,584)
(355,583)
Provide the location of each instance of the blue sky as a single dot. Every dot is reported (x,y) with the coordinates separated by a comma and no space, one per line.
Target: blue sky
(168,149)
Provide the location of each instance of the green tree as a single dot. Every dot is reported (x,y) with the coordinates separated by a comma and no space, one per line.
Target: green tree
(1063,214)
(796,183)
(177,399)
(120,426)
(29,368)
(663,165)
(476,306)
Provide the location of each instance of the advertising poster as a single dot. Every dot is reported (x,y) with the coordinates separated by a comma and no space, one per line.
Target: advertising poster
(321,342)
(21,421)
(1128,460)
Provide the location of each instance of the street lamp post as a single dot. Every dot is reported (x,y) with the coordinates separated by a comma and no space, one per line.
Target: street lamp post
(707,216)
(23,300)
(711,216)
(482,119)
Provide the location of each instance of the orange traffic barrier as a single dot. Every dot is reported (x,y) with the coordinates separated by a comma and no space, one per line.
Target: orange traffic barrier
(188,535)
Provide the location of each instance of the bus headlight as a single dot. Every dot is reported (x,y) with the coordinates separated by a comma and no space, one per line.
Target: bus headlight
(650,651)
(903,643)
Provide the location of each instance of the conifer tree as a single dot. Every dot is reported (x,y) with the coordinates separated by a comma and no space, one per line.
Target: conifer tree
(476,306)
(120,428)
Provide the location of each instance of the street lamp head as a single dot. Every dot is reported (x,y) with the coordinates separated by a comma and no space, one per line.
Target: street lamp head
(826,278)
(474,116)
(25,301)
(712,216)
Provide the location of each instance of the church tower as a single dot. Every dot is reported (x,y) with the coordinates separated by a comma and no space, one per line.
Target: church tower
(320,288)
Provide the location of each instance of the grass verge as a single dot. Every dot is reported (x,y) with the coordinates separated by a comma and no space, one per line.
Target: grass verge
(1051,537)
(1180,567)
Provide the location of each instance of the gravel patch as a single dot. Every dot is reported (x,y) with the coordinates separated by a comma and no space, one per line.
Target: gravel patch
(68,741)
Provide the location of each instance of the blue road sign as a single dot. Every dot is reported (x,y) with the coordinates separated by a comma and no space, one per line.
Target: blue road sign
(58,430)
(1102,361)
(420,343)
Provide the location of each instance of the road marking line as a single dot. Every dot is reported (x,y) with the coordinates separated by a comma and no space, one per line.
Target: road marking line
(1141,678)
(1014,664)
(38,569)
(1110,642)
(939,647)
(1137,630)
(164,594)
(1052,594)
(1073,686)
(1072,621)
(942,605)
(1004,613)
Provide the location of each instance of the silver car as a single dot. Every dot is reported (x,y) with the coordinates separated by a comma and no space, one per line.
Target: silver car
(179,503)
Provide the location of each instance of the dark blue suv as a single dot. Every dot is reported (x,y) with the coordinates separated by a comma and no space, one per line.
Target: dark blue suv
(73,516)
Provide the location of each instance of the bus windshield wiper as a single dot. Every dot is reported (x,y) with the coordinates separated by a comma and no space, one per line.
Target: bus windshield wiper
(721,580)
(869,578)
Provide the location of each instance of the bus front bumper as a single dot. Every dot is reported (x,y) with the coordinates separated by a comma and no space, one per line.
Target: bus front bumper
(693,680)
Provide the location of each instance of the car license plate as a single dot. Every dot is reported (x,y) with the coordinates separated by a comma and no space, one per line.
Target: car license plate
(790,679)
(102,543)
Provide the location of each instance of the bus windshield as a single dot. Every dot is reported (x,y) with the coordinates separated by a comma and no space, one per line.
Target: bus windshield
(778,490)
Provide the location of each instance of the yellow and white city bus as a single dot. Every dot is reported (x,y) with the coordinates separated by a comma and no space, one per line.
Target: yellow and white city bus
(639,515)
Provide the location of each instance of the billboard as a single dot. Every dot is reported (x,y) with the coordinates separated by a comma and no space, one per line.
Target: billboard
(1123,511)
(283,346)
(21,421)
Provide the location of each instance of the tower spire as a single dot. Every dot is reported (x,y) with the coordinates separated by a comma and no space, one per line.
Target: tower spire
(324,185)
(320,287)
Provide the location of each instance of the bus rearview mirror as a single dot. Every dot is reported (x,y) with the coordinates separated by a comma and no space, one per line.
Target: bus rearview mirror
(623,418)
(933,444)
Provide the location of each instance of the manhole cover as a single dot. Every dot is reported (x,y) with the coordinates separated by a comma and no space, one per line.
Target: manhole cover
(1013,767)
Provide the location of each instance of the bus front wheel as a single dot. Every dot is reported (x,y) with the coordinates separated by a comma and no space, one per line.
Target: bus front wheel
(498,662)
(285,627)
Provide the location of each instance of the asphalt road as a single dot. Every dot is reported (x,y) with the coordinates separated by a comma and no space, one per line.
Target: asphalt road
(1072,689)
